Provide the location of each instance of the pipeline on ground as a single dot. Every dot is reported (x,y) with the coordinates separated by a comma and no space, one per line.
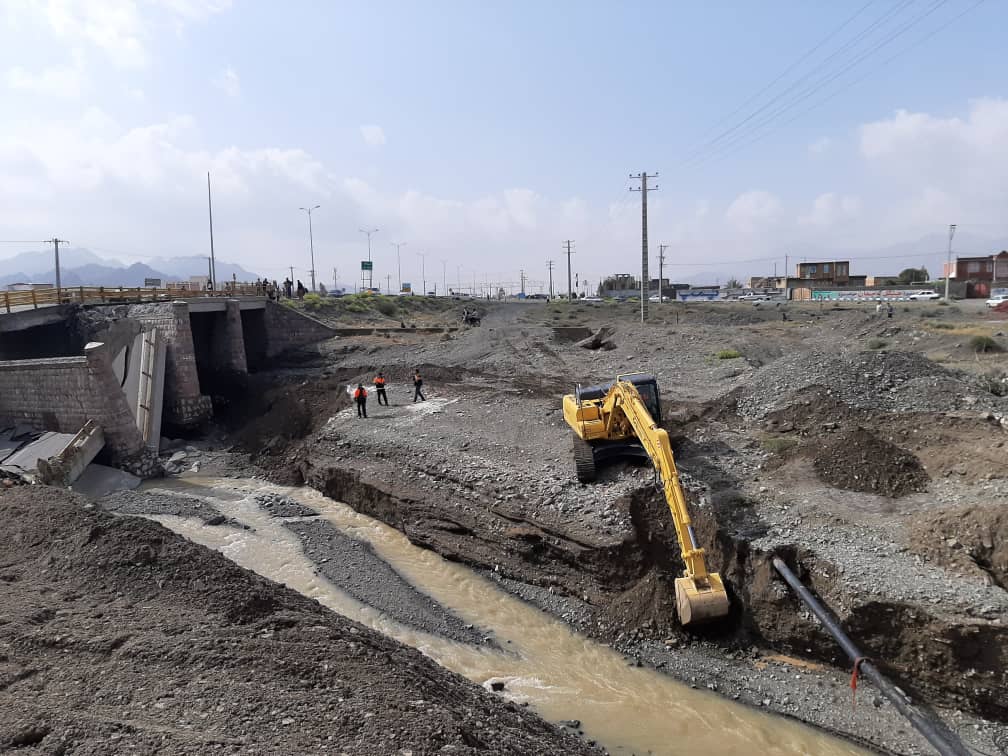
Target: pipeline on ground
(943,739)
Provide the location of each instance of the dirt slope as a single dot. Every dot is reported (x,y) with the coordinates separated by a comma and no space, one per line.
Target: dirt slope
(117,635)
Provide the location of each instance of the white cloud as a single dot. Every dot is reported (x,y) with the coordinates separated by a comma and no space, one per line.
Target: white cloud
(753,210)
(120,29)
(57,81)
(829,209)
(228,82)
(819,146)
(373,135)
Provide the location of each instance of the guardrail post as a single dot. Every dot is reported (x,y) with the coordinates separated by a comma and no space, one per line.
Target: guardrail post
(34,301)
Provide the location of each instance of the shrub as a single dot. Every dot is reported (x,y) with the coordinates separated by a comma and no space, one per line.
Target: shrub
(877,343)
(312,301)
(728,354)
(779,445)
(996,383)
(386,306)
(944,326)
(984,344)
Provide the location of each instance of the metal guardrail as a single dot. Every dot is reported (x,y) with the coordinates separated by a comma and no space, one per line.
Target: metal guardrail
(49,297)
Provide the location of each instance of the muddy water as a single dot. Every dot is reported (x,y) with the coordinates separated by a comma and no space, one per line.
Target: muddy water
(560,674)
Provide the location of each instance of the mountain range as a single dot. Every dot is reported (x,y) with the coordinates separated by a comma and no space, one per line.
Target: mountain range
(82,267)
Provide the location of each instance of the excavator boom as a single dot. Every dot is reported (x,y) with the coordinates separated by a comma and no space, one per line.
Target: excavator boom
(622,413)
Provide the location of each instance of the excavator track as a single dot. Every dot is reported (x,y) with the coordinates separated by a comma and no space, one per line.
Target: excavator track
(584,460)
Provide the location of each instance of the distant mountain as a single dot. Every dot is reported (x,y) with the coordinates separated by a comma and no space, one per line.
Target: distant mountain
(81,267)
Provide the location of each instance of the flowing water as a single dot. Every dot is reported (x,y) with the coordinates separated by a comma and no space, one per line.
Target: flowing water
(561,675)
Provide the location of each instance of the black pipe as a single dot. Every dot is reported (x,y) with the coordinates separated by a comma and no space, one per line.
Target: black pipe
(943,739)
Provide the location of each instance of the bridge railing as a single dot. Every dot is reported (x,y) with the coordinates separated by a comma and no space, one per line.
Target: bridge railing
(47,297)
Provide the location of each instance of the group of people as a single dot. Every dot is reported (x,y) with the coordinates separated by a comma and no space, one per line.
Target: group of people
(360,394)
(888,308)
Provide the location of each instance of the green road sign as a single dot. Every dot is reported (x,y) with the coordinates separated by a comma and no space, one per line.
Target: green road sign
(366,265)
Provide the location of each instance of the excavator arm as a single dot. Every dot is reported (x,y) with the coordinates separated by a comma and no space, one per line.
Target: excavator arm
(700,595)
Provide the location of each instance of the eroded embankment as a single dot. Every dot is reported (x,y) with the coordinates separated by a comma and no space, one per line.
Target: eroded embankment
(953,661)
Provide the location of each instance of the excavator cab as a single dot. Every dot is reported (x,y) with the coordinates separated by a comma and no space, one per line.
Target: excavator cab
(623,419)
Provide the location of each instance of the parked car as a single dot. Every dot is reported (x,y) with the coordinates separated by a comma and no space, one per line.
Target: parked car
(997,299)
(928,294)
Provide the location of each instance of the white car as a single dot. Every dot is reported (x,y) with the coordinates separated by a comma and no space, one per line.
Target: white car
(920,296)
(997,299)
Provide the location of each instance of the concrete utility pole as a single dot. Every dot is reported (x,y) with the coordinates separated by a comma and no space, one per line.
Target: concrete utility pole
(570,292)
(444,277)
(549,266)
(645,282)
(397,246)
(423,271)
(56,243)
(311,242)
(388,283)
(370,273)
(213,266)
(661,271)
(522,274)
(458,279)
(334,284)
(948,267)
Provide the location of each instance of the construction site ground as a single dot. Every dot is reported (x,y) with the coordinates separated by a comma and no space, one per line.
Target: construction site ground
(868,452)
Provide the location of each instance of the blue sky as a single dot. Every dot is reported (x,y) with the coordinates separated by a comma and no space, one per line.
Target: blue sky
(484,134)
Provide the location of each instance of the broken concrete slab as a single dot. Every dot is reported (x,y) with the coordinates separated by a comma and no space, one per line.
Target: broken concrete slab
(64,468)
(98,481)
(601,339)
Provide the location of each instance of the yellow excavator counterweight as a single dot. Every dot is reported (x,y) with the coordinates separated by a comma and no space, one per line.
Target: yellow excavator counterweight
(622,419)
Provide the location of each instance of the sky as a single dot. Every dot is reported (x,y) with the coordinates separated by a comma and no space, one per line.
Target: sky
(484,135)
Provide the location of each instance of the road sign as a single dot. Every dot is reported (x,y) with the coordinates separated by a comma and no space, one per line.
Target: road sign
(366,265)
(155,282)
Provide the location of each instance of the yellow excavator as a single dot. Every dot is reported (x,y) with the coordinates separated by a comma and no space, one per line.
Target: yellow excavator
(620,420)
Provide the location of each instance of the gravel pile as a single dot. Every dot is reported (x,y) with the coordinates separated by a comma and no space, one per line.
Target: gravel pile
(880,381)
(159,502)
(283,506)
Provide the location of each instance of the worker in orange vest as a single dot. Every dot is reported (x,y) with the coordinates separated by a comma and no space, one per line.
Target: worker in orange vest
(360,396)
(379,384)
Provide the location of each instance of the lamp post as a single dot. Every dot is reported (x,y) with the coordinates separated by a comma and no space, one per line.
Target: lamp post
(948,266)
(311,242)
(370,277)
(397,246)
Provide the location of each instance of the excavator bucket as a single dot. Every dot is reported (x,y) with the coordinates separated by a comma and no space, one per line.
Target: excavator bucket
(698,603)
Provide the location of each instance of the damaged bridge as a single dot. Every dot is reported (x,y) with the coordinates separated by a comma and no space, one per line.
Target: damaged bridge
(129,368)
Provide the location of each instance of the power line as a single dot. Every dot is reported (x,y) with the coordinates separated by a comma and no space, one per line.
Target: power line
(728,147)
(856,40)
(858,80)
(815,48)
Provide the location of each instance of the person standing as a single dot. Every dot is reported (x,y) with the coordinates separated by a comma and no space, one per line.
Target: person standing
(360,396)
(379,383)
(418,387)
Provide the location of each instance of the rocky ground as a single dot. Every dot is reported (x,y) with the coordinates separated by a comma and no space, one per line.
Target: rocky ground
(759,409)
(118,636)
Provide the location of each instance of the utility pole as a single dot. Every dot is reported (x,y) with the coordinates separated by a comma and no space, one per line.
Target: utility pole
(444,277)
(458,279)
(423,271)
(397,246)
(948,267)
(570,292)
(388,283)
(522,274)
(213,266)
(311,242)
(56,242)
(370,273)
(334,284)
(549,266)
(292,277)
(645,282)
(661,271)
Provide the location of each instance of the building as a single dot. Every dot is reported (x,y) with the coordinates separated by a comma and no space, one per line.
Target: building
(987,268)
(620,286)
(830,273)
(881,281)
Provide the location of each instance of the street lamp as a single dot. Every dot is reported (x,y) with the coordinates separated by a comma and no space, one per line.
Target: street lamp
(311,242)
(948,266)
(397,245)
(423,271)
(370,273)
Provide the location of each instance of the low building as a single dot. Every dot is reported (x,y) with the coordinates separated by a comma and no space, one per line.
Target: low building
(620,286)
(882,281)
(986,268)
